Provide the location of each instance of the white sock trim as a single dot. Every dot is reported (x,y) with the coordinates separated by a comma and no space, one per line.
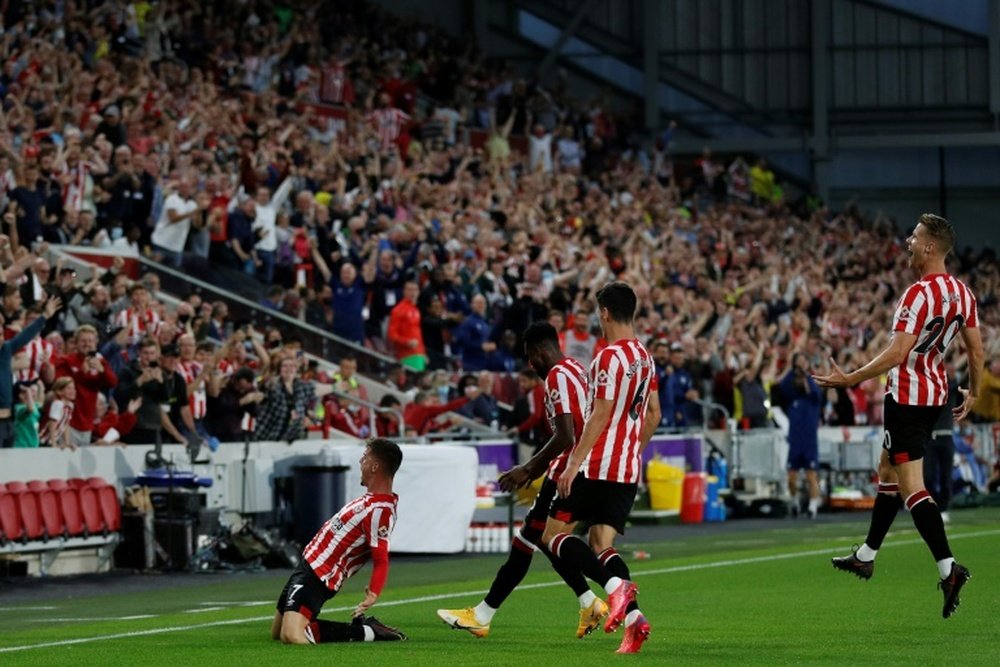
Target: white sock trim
(484,613)
(586,599)
(944,567)
(632,617)
(369,633)
(866,553)
(613,583)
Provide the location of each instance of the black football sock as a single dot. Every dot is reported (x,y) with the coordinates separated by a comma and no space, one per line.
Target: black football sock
(927,519)
(510,573)
(616,566)
(326,632)
(883,514)
(571,575)
(577,554)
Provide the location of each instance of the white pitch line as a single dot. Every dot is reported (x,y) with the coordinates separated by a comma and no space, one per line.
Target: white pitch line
(27,608)
(447,596)
(79,619)
(202,610)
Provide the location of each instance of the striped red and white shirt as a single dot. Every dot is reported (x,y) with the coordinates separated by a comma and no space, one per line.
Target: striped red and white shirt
(934,309)
(198,400)
(388,124)
(345,542)
(74,194)
(139,325)
(565,394)
(60,412)
(39,353)
(623,373)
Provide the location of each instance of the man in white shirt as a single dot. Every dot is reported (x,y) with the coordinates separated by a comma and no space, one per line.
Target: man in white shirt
(540,149)
(264,225)
(172,229)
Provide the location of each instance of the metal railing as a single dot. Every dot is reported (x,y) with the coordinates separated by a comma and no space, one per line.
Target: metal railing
(315,340)
(373,410)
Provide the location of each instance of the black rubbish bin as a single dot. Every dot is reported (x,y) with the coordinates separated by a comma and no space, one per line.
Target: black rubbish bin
(318,495)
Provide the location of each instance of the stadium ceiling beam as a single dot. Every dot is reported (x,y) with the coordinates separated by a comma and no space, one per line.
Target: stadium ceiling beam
(651,64)
(845,142)
(993,51)
(820,86)
(574,24)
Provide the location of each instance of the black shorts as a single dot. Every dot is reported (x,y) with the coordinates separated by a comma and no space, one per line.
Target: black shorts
(304,593)
(597,502)
(534,521)
(908,429)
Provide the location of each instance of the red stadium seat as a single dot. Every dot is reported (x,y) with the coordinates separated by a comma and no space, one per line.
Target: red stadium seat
(111,509)
(96,482)
(16,487)
(48,506)
(76,482)
(69,504)
(36,485)
(90,508)
(56,484)
(10,519)
(31,518)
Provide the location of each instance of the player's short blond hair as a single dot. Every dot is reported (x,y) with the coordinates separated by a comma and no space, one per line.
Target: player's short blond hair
(940,230)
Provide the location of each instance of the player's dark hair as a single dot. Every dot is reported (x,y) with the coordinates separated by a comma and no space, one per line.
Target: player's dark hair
(387,452)
(540,333)
(620,301)
(940,230)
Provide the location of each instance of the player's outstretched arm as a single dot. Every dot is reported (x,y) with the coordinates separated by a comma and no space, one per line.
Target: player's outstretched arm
(890,357)
(561,440)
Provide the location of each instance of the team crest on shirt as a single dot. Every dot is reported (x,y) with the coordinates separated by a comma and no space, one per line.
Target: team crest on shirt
(383,531)
(603,379)
(553,395)
(905,313)
(336,524)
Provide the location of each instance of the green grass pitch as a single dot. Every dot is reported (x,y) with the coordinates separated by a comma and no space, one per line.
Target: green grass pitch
(744,597)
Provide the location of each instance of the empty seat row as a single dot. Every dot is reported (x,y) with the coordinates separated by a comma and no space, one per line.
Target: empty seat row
(54,484)
(44,511)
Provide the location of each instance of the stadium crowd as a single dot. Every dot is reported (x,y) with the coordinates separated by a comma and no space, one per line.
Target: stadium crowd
(368,171)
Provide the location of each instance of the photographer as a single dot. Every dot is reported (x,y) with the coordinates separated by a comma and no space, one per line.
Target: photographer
(800,398)
(143,378)
(230,398)
(92,375)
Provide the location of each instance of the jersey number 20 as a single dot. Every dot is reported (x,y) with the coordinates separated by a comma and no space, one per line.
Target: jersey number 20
(939,335)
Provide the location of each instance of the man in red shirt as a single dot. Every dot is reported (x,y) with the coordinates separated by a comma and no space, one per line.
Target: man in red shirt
(534,428)
(419,415)
(929,316)
(404,330)
(92,374)
(359,532)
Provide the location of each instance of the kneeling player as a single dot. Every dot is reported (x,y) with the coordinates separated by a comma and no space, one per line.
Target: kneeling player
(358,533)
